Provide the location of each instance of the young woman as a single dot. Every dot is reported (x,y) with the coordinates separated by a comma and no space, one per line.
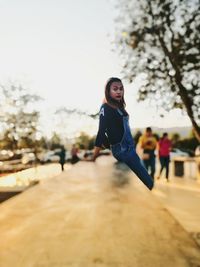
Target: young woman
(164,154)
(114,126)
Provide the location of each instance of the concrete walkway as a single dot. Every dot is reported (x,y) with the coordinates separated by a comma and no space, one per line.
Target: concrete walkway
(182,199)
(92,215)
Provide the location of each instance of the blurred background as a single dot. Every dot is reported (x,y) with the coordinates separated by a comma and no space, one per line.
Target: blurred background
(56,57)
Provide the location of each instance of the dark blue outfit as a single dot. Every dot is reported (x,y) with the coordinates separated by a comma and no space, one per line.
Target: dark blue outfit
(164,162)
(114,123)
(151,162)
(62,158)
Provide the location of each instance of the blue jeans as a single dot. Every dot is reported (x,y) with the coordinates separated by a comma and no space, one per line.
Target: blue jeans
(127,154)
(150,165)
(164,162)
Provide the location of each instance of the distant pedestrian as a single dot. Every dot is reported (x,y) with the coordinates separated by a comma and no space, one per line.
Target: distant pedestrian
(164,148)
(74,154)
(62,157)
(114,127)
(148,143)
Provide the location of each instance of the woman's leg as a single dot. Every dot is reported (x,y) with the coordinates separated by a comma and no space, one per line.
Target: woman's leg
(152,166)
(133,161)
(146,164)
(167,167)
(162,165)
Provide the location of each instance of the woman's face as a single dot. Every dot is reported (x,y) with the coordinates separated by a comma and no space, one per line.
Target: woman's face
(117,91)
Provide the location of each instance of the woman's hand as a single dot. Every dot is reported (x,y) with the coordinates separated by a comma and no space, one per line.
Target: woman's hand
(94,156)
(96,153)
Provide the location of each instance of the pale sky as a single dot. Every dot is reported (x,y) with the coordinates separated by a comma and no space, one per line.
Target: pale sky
(61,49)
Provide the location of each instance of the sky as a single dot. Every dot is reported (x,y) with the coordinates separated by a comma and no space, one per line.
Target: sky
(62,50)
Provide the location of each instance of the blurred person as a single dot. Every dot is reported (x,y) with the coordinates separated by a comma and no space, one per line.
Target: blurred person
(148,144)
(114,128)
(164,148)
(74,154)
(62,157)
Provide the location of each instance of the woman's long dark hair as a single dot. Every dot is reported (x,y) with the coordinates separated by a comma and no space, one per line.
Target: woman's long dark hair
(109,99)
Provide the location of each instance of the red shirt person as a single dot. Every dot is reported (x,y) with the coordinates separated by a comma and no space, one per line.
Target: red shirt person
(164,149)
(164,146)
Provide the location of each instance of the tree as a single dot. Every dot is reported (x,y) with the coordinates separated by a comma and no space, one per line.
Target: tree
(55,141)
(175,138)
(17,117)
(84,141)
(5,141)
(91,143)
(160,40)
(65,118)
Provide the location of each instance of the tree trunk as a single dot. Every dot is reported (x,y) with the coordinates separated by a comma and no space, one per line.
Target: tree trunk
(182,90)
(187,103)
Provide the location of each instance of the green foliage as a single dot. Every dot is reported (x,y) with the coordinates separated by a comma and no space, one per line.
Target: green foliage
(42,143)
(187,143)
(6,141)
(175,137)
(91,143)
(85,141)
(18,119)
(55,141)
(160,42)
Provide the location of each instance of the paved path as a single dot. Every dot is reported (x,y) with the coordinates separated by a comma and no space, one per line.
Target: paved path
(182,199)
(92,215)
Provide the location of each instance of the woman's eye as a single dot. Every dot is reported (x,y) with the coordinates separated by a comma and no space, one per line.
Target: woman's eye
(116,89)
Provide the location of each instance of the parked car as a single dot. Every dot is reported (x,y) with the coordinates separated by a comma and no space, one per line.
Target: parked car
(190,152)
(6,154)
(176,152)
(49,156)
(68,156)
(28,158)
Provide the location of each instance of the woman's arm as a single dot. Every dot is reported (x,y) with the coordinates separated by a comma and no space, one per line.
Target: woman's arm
(100,134)
(102,128)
